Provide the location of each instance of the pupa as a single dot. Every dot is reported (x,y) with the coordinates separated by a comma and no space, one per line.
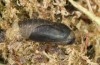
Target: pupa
(41,30)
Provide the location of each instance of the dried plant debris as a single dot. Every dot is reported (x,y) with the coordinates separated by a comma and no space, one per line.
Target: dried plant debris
(83,20)
(2,35)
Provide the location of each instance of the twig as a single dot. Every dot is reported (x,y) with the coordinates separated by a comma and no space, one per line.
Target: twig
(86,12)
(86,43)
(89,5)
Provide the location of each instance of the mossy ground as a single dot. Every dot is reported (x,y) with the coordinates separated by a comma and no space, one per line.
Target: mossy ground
(84,51)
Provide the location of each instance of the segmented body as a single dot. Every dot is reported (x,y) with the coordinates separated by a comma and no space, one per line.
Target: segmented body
(45,31)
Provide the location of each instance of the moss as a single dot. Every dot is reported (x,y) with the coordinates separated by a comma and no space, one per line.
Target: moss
(26,52)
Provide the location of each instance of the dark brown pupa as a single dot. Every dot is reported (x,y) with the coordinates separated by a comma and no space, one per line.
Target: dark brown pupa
(41,30)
